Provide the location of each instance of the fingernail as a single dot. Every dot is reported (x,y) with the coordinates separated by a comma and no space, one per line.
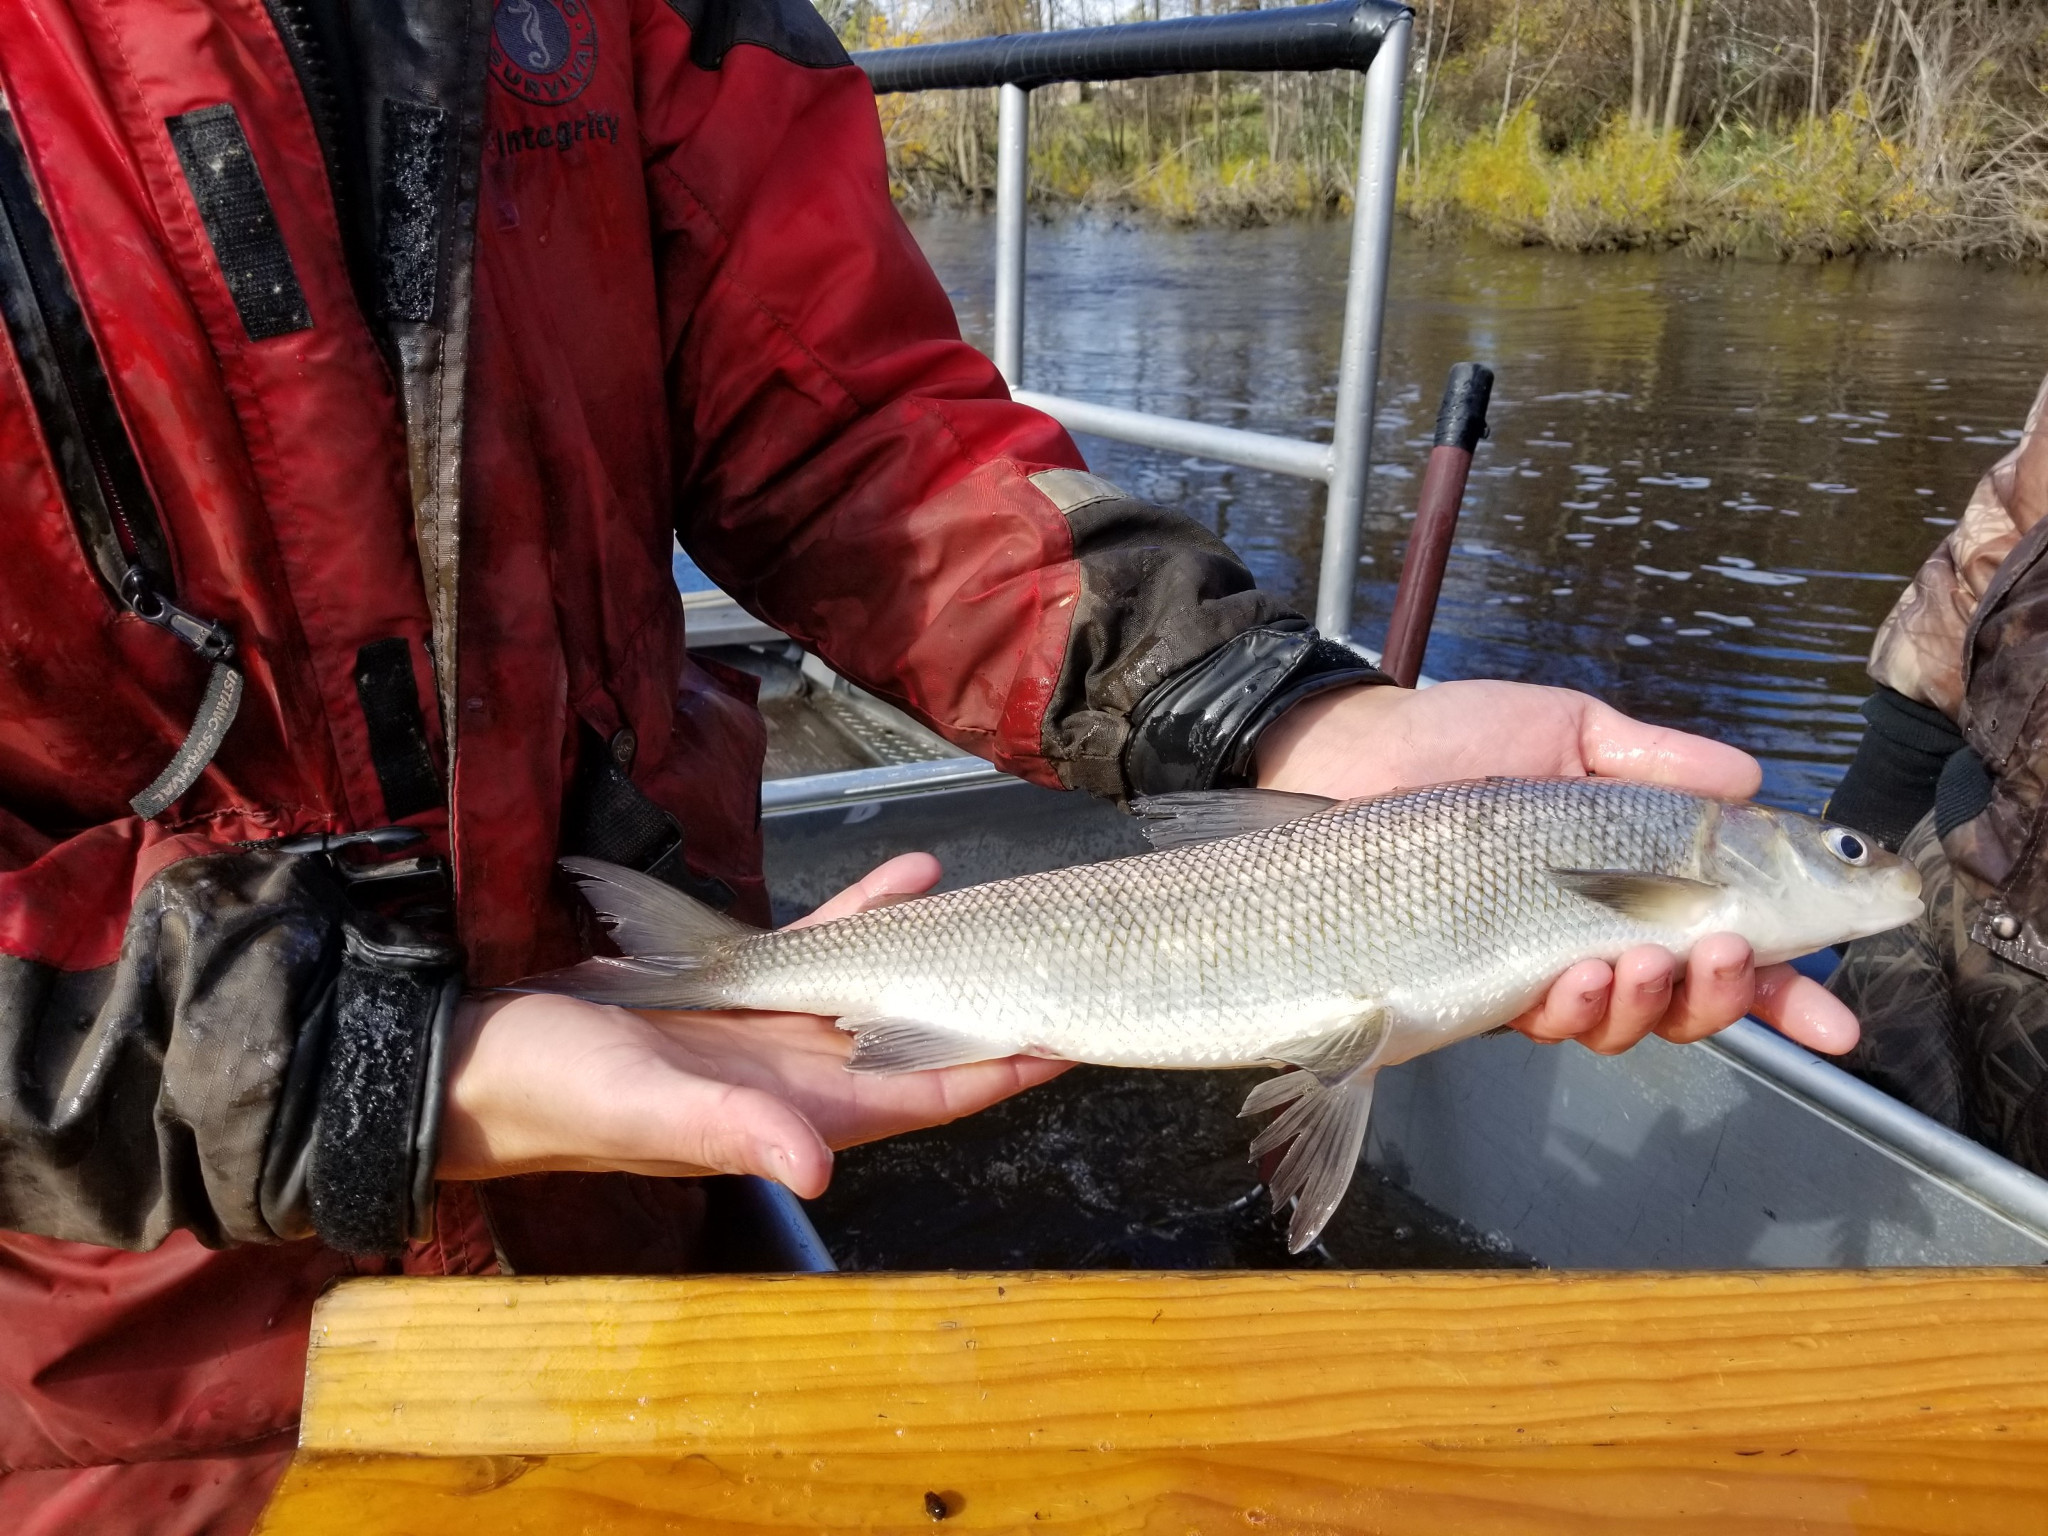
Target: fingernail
(1653,988)
(1596,995)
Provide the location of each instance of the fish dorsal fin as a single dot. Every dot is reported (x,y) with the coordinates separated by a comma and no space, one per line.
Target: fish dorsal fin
(1662,901)
(650,917)
(883,1046)
(1205,815)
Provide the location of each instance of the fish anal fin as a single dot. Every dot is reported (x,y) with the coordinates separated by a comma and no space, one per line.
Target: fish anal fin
(1205,816)
(1662,901)
(885,1045)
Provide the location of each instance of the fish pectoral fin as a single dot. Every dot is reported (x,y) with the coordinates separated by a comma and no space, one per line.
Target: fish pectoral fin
(884,1045)
(1324,1132)
(1336,1053)
(1666,901)
(1205,815)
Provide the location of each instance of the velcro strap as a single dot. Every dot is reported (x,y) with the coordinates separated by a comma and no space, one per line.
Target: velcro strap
(239,221)
(217,707)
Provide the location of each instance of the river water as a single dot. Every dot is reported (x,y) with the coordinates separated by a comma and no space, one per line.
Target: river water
(1707,482)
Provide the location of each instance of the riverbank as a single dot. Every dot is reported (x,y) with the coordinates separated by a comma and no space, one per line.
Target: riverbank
(1825,189)
(1830,187)
(1771,128)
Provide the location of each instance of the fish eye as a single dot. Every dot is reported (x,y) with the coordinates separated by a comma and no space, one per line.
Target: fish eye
(1846,845)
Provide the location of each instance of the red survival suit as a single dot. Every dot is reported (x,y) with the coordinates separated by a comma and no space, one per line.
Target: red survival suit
(363,358)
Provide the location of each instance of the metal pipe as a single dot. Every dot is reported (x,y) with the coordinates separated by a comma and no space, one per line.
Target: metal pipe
(1342,34)
(820,791)
(1230,445)
(1365,303)
(1460,423)
(1013,168)
(1999,1186)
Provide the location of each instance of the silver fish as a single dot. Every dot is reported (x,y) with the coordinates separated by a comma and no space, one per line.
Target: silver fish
(1333,939)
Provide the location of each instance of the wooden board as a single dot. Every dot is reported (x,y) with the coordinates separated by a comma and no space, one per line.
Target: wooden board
(1906,1401)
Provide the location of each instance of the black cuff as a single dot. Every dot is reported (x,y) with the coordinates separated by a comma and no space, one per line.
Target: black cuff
(1197,729)
(1891,783)
(1962,792)
(370,1181)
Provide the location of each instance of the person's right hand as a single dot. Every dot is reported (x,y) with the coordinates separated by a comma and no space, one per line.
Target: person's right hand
(1372,740)
(543,1082)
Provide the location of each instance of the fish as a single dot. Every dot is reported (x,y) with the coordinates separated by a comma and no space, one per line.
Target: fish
(1330,939)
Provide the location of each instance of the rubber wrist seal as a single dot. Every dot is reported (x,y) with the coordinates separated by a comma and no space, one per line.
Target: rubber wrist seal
(370,1181)
(1198,729)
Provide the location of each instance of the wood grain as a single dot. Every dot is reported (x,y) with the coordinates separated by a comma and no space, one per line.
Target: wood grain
(1577,1491)
(1142,1362)
(1902,1401)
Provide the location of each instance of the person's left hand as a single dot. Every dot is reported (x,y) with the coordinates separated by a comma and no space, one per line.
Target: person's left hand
(544,1082)
(1371,741)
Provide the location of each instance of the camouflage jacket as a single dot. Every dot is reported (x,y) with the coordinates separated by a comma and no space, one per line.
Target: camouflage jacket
(1970,638)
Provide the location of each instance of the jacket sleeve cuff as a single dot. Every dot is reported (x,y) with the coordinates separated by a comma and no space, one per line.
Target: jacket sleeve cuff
(369,1178)
(1892,781)
(1198,729)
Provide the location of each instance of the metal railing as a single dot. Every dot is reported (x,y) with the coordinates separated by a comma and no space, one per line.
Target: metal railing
(1367,35)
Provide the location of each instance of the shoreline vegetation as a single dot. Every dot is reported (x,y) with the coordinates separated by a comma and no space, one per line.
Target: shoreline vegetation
(1795,129)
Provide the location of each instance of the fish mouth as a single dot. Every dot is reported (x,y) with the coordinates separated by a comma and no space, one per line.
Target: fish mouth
(1902,906)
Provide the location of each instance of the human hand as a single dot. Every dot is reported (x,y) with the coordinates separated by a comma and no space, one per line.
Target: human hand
(544,1082)
(1371,741)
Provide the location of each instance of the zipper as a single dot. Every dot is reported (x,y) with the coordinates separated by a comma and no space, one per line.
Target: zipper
(120,524)
(315,38)
(117,518)
(308,50)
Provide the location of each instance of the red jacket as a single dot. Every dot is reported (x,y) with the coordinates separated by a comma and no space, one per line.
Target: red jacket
(421,328)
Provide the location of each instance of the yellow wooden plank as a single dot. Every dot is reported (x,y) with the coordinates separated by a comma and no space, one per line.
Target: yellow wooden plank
(1147,1365)
(1909,1490)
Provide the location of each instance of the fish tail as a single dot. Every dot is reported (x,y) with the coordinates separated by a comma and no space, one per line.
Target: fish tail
(669,943)
(1324,1132)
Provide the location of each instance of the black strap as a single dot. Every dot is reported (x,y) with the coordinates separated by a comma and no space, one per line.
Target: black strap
(417,140)
(398,730)
(236,211)
(607,817)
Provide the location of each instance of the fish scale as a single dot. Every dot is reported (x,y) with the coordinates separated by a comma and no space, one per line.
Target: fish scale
(1283,929)
(1377,900)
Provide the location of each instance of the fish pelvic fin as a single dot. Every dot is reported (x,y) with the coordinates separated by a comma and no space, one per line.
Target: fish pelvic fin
(1325,1103)
(1664,901)
(1336,1053)
(1207,815)
(1324,1132)
(884,1046)
(649,918)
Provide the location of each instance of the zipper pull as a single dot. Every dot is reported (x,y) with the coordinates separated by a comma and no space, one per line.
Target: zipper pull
(206,636)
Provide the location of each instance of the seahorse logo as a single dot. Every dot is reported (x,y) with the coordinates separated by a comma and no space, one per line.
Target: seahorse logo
(539,52)
(543,51)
